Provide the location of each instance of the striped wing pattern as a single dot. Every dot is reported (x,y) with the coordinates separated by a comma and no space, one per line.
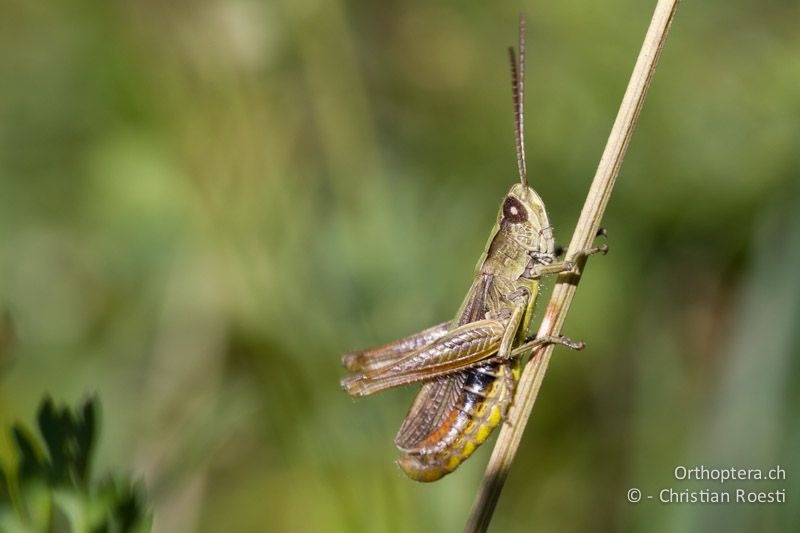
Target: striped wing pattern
(366,360)
(463,343)
(430,409)
(460,348)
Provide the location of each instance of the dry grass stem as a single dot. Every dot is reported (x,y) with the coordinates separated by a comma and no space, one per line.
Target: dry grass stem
(566,284)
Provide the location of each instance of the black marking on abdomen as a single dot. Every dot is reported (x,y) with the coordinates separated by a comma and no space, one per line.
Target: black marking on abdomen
(481,378)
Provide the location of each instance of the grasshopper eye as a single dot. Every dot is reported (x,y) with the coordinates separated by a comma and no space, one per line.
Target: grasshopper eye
(514,211)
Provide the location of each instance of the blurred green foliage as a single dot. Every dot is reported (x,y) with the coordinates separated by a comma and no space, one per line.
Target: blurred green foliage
(50,487)
(202,204)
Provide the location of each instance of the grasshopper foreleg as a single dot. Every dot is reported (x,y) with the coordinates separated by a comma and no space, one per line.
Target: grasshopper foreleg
(537,270)
(602,249)
(602,232)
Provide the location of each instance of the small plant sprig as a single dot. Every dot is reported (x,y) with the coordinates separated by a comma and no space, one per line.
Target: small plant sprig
(585,231)
(50,487)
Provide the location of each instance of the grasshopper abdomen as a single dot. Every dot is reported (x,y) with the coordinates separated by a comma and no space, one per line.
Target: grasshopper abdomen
(483,403)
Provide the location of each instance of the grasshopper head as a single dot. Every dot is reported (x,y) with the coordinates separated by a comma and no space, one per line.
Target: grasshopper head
(522,221)
(523,218)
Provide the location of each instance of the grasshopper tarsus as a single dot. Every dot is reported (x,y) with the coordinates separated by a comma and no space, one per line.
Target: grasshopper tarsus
(602,232)
(535,342)
(569,343)
(563,340)
(602,249)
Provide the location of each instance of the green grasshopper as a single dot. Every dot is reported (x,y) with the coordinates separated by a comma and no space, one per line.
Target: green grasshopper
(470,366)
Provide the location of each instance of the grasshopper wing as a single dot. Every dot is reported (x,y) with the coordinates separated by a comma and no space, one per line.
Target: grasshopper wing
(459,349)
(430,409)
(366,360)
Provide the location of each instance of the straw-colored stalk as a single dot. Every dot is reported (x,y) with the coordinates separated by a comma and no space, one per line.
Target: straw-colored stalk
(585,231)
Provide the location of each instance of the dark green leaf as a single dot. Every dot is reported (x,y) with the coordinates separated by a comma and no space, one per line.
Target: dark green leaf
(63,464)
(69,441)
(30,464)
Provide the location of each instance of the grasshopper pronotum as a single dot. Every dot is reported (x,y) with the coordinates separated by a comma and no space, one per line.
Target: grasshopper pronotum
(469,366)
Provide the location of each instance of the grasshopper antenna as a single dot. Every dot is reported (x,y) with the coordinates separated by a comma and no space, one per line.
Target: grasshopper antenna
(518,95)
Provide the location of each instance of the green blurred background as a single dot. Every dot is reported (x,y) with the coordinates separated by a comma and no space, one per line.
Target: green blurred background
(202,204)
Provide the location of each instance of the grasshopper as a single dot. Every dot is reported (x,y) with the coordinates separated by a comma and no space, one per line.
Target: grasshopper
(469,366)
